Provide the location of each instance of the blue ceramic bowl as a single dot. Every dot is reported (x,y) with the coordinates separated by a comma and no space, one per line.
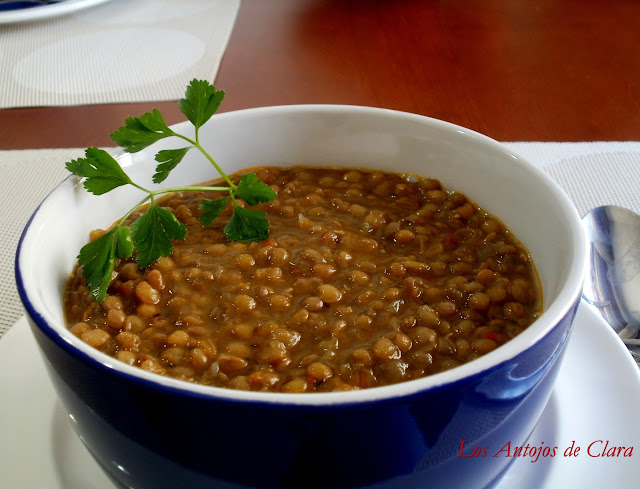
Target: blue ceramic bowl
(150,432)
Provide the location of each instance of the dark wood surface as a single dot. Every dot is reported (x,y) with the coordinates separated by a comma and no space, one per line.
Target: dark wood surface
(516,70)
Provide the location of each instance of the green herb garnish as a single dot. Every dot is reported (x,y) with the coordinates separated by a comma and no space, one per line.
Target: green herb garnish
(151,235)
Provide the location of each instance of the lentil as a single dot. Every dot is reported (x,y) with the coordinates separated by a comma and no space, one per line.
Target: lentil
(367,280)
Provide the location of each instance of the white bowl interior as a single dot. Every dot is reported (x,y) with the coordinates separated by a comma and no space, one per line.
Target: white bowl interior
(527,201)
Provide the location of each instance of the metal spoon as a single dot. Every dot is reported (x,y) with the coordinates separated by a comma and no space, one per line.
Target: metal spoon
(612,284)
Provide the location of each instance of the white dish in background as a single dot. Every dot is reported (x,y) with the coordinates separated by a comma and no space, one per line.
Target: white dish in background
(47,11)
(596,398)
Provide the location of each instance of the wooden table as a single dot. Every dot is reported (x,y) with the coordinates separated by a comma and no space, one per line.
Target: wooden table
(516,70)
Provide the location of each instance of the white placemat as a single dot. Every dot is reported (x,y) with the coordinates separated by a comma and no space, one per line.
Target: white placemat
(592,174)
(116,52)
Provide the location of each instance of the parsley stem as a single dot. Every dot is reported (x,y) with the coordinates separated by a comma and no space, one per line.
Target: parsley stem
(153,193)
(190,189)
(134,208)
(196,143)
(139,187)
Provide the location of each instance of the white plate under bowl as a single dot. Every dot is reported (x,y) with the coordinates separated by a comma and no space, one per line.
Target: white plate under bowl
(595,401)
(47,11)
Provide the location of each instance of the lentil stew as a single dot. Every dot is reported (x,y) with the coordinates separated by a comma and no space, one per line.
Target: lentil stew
(368,279)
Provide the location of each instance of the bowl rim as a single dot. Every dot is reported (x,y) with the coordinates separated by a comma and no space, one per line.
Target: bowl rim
(567,296)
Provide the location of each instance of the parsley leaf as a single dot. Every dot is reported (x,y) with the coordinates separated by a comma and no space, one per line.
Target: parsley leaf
(102,172)
(98,258)
(253,191)
(168,159)
(201,101)
(140,132)
(212,208)
(152,233)
(247,225)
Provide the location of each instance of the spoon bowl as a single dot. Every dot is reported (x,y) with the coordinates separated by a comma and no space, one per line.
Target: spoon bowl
(612,283)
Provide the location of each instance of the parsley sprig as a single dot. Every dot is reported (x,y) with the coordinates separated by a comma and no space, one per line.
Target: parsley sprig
(152,234)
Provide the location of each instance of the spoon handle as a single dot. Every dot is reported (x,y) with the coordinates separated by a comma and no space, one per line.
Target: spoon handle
(636,357)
